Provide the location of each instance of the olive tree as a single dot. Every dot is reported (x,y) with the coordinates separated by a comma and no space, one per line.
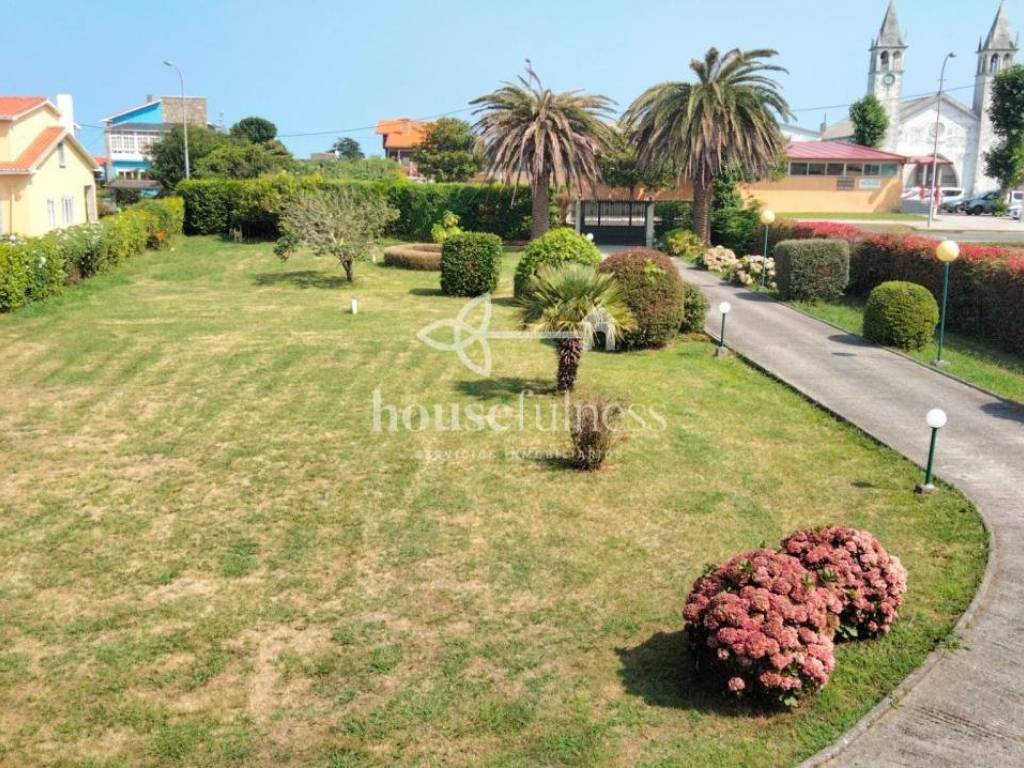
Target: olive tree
(334,222)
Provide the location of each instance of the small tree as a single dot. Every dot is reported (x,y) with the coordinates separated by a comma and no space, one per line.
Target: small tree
(254,129)
(1005,161)
(241,161)
(448,151)
(621,168)
(336,223)
(870,121)
(167,156)
(347,149)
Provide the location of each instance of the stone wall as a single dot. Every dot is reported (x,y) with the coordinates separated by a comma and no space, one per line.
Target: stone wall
(174,108)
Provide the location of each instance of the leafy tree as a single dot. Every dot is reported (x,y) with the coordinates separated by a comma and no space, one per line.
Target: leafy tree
(448,151)
(576,300)
(254,129)
(621,167)
(550,138)
(347,149)
(870,121)
(167,156)
(237,160)
(334,222)
(1005,161)
(728,117)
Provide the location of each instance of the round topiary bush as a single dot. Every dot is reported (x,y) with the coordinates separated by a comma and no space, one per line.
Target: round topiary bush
(559,246)
(418,256)
(869,583)
(902,315)
(762,622)
(652,289)
(470,264)
(695,309)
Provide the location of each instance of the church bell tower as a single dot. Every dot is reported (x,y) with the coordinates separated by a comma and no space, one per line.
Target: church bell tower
(997,52)
(885,74)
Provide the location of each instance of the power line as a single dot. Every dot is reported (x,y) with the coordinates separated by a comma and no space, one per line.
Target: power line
(362,128)
(905,98)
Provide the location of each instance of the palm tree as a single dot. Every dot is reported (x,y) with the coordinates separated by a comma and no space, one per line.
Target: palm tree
(575,302)
(528,130)
(729,117)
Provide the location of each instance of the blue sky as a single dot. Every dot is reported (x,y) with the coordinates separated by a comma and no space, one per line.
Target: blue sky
(318,66)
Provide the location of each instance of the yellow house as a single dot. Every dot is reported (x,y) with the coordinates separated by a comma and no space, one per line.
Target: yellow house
(47,179)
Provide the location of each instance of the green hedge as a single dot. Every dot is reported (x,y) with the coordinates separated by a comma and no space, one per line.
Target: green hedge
(36,268)
(558,246)
(470,264)
(253,206)
(812,269)
(901,314)
(654,293)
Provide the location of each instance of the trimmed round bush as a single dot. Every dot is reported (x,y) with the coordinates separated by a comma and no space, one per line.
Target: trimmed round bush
(764,625)
(901,315)
(559,246)
(419,256)
(653,291)
(470,264)
(812,269)
(695,309)
(869,583)
(684,243)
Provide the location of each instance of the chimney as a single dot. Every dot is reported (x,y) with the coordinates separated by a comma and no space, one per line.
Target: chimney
(66,106)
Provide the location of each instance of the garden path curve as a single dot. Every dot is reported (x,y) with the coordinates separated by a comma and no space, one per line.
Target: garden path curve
(964,707)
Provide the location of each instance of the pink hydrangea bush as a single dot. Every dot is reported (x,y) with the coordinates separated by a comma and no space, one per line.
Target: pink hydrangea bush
(762,621)
(869,583)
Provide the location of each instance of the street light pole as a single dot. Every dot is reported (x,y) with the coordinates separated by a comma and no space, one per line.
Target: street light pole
(935,150)
(184,112)
(767,218)
(936,420)
(947,252)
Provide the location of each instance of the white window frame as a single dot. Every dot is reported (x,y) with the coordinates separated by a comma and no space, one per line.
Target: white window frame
(68,210)
(62,155)
(51,213)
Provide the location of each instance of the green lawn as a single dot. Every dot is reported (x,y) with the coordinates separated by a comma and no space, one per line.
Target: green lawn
(970,359)
(211,559)
(882,216)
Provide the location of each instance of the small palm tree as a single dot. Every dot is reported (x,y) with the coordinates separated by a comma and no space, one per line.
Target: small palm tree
(729,117)
(550,138)
(576,302)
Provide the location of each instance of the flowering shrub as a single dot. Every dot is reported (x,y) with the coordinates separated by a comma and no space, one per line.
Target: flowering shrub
(717,259)
(817,230)
(869,583)
(747,271)
(763,622)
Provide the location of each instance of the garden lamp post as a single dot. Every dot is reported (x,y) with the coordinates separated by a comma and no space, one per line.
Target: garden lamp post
(938,127)
(767,218)
(947,252)
(184,113)
(936,419)
(724,309)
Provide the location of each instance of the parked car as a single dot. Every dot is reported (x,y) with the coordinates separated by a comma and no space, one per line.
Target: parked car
(987,202)
(951,199)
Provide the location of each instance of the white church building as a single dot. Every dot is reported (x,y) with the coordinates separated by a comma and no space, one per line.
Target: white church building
(965,132)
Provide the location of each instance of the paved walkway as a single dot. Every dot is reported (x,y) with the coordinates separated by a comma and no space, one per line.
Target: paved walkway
(967,709)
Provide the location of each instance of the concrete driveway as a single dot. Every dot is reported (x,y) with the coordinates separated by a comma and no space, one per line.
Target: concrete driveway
(965,707)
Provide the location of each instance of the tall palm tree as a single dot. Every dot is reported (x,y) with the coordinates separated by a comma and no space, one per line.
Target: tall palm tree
(575,302)
(550,138)
(729,117)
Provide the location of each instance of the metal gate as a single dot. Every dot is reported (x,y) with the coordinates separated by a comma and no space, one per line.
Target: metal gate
(616,222)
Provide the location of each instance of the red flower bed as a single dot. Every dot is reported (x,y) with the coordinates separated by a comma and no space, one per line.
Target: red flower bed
(762,621)
(816,230)
(869,584)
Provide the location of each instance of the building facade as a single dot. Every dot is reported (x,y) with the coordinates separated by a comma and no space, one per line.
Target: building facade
(47,179)
(130,134)
(965,132)
(400,138)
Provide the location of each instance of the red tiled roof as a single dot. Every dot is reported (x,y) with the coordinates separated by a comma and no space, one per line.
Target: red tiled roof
(838,150)
(12,106)
(35,151)
(401,133)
